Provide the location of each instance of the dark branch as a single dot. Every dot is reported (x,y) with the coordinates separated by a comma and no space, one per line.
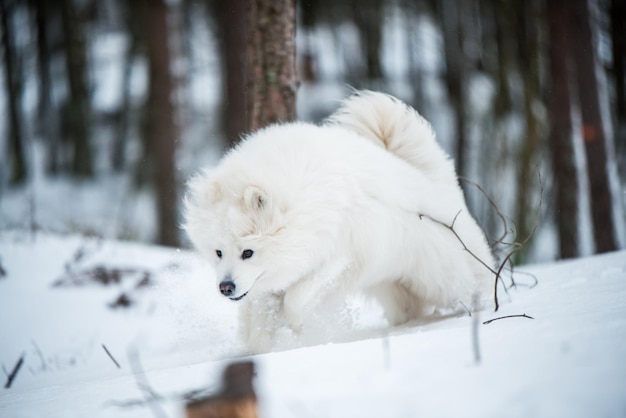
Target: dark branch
(42,358)
(469,313)
(106,350)
(13,374)
(522,244)
(499,214)
(458,237)
(451,228)
(508,316)
(3,272)
(514,283)
(517,246)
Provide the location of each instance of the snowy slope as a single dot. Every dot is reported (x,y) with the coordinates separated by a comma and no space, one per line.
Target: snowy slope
(178,335)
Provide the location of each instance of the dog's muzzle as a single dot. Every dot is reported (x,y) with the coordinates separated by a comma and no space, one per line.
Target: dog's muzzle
(228,288)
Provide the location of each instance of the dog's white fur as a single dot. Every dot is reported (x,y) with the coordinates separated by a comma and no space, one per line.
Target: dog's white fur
(356,204)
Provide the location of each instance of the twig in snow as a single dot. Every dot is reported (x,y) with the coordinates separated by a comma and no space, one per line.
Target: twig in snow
(106,350)
(507,316)
(533,278)
(42,359)
(191,395)
(86,248)
(522,244)
(469,313)
(152,397)
(105,275)
(3,272)
(13,373)
(475,329)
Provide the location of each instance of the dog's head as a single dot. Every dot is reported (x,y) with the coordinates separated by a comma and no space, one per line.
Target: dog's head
(262,217)
(241,229)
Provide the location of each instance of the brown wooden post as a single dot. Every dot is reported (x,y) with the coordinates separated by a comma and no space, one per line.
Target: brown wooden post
(235,400)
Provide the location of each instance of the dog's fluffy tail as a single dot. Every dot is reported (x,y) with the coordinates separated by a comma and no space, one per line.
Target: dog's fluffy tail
(397,127)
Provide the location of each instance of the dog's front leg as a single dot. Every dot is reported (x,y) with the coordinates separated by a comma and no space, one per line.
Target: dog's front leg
(259,321)
(302,298)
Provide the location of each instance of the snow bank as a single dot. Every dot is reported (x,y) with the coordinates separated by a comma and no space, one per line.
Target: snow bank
(178,334)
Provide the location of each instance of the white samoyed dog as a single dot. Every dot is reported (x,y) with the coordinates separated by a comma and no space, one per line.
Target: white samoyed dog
(298,214)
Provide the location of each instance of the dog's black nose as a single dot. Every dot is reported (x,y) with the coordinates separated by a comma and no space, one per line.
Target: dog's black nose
(227,287)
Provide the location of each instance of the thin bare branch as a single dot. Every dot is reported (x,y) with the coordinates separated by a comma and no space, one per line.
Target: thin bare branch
(522,244)
(152,398)
(3,272)
(106,350)
(494,206)
(451,228)
(13,374)
(517,246)
(42,358)
(507,316)
(514,283)
(469,312)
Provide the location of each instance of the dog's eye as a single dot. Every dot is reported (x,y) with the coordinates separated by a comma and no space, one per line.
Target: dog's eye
(246,254)
(218,253)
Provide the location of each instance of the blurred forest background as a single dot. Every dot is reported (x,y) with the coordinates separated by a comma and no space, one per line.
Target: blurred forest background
(110,105)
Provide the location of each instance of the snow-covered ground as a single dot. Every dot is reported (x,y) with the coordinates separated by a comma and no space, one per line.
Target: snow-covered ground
(178,334)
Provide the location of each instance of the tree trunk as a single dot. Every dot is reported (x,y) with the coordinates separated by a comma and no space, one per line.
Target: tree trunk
(231,22)
(562,147)
(13,85)
(78,108)
(134,25)
(503,103)
(618,42)
(528,52)
(368,16)
(451,21)
(593,131)
(271,69)
(161,129)
(45,126)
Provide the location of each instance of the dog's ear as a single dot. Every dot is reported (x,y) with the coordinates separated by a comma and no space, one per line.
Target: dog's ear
(203,191)
(214,191)
(255,198)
